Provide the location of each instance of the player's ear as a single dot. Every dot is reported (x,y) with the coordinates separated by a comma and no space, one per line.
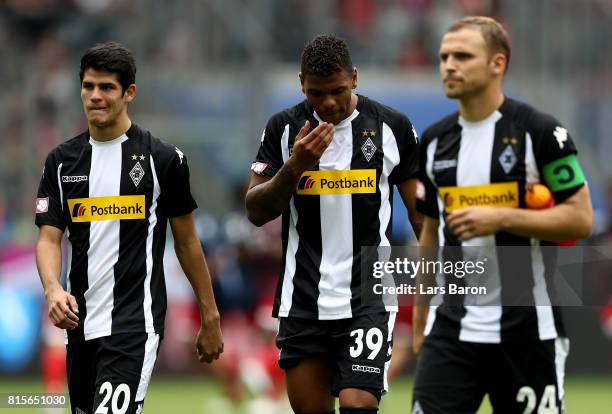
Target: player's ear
(498,63)
(130,93)
(354,78)
(302,81)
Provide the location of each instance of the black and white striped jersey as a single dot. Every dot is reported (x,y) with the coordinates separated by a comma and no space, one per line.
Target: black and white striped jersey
(114,199)
(489,163)
(344,203)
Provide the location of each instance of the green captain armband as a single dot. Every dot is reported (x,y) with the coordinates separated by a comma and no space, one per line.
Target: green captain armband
(563,173)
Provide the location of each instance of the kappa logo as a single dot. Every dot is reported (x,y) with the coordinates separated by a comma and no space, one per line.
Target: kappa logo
(365,368)
(306,182)
(74,178)
(79,411)
(78,210)
(42,205)
(560,134)
(139,409)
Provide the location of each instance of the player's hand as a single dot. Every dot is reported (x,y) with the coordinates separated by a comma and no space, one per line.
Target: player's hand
(209,344)
(63,309)
(473,222)
(310,146)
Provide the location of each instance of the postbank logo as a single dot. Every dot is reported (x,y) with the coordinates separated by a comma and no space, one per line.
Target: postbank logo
(491,195)
(337,182)
(107,208)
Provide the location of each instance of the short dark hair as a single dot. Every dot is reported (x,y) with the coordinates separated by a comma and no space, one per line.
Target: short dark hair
(112,57)
(494,34)
(324,55)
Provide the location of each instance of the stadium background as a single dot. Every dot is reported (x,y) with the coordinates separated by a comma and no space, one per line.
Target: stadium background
(210,73)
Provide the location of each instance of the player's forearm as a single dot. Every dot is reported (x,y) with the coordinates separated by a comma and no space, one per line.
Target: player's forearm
(428,249)
(268,200)
(561,222)
(193,263)
(49,264)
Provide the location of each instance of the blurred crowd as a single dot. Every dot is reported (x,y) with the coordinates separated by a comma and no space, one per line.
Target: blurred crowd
(178,43)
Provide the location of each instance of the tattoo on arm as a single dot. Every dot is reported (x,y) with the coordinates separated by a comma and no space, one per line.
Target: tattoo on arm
(266,201)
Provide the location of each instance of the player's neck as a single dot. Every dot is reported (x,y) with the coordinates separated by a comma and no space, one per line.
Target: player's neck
(354,101)
(110,132)
(477,108)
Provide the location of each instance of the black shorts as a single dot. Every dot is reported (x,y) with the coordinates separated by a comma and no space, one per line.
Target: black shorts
(360,348)
(520,377)
(111,374)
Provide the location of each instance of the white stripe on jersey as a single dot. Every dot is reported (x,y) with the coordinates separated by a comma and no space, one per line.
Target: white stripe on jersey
(103,253)
(532,174)
(390,160)
(390,327)
(480,323)
(562,347)
(431,152)
(546,319)
(336,268)
(292,242)
(150,356)
(148,312)
(59,184)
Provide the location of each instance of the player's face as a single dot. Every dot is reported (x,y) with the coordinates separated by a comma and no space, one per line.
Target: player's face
(330,96)
(104,101)
(465,65)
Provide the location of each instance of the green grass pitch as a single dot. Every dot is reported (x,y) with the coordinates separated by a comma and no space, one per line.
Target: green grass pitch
(592,395)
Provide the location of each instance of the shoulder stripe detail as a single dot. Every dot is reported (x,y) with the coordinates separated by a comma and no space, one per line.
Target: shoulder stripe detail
(59,184)
(285,143)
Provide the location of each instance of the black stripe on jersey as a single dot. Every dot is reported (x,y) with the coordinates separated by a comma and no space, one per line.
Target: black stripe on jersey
(447,149)
(79,239)
(131,268)
(286,218)
(515,265)
(366,222)
(452,308)
(158,282)
(308,255)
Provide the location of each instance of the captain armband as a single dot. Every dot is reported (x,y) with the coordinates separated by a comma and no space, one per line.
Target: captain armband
(563,174)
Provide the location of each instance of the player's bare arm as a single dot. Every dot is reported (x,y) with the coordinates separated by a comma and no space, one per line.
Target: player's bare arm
(407,190)
(209,343)
(569,220)
(429,241)
(268,197)
(63,308)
